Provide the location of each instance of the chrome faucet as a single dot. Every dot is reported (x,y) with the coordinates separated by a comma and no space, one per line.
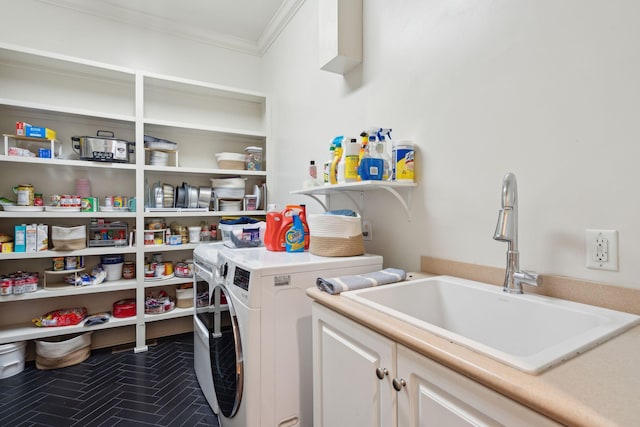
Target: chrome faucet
(507,231)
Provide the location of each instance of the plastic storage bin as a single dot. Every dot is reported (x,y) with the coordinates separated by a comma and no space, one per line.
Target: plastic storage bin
(243,235)
(12,358)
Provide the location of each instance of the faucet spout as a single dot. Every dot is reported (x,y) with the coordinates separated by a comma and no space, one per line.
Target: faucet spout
(507,231)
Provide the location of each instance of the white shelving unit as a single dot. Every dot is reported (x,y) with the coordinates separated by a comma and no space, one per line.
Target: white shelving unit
(78,97)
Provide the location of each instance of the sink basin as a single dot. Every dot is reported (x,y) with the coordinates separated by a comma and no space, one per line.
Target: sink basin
(528,332)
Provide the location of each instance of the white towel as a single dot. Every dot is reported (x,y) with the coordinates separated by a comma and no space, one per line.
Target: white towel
(336,285)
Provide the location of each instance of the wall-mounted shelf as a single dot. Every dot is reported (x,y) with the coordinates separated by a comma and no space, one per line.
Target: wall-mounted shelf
(400,190)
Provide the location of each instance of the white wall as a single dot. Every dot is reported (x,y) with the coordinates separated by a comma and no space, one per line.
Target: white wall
(548,90)
(39,25)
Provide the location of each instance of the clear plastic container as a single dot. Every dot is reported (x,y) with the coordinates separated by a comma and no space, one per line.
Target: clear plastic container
(253,158)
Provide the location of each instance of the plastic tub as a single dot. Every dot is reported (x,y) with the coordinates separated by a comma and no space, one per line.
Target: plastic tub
(231,161)
(12,358)
(112,265)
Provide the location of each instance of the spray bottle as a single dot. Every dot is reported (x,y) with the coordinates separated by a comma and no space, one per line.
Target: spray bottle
(371,166)
(326,167)
(333,172)
(364,150)
(381,150)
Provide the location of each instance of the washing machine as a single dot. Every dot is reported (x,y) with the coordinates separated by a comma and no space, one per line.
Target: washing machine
(253,331)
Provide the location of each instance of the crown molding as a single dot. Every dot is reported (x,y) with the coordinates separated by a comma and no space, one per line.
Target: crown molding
(159,24)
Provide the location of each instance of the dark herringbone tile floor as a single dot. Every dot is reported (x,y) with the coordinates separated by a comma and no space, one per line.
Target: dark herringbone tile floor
(154,388)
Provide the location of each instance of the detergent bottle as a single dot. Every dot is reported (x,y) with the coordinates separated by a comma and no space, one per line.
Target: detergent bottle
(274,223)
(294,236)
(278,223)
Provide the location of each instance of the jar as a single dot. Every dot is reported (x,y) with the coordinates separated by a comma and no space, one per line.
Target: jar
(129,270)
(148,237)
(253,160)
(24,193)
(38,200)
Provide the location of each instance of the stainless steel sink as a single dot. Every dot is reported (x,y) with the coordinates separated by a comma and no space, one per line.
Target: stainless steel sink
(528,332)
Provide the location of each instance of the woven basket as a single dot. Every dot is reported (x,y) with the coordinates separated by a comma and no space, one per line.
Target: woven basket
(335,235)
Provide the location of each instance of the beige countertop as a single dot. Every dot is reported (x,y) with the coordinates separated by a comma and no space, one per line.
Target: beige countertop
(598,388)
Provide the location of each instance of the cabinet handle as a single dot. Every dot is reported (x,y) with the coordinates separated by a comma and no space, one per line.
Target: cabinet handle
(381,373)
(399,383)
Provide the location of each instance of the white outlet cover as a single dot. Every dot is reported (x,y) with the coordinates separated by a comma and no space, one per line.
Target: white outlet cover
(594,259)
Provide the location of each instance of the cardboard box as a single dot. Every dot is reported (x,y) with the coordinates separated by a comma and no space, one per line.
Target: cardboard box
(31,237)
(39,132)
(20,238)
(20,127)
(42,237)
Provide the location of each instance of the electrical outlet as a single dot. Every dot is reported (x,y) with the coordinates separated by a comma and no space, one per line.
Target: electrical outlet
(602,249)
(367,230)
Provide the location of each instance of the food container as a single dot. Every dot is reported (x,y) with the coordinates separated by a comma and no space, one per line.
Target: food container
(129,270)
(124,308)
(103,149)
(112,265)
(253,158)
(235,161)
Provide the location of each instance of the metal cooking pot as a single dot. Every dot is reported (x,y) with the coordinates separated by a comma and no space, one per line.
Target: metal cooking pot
(101,149)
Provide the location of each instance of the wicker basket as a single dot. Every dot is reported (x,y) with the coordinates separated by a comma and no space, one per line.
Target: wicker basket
(335,235)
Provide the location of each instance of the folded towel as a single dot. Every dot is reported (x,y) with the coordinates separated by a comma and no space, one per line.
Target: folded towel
(359,281)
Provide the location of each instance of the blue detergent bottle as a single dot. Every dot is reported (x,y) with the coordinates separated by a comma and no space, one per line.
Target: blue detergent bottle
(294,237)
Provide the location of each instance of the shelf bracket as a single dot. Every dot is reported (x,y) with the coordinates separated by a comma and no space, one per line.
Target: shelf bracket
(406,204)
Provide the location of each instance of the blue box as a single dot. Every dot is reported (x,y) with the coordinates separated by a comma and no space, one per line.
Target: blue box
(44,153)
(39,132)
(20,238)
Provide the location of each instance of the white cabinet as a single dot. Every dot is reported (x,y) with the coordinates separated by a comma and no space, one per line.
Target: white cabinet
(414,390)
(351,373)
(76,97)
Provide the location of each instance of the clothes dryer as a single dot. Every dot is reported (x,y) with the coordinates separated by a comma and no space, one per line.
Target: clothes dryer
(260,336)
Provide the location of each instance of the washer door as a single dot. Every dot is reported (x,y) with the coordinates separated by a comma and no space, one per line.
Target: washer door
(226,352)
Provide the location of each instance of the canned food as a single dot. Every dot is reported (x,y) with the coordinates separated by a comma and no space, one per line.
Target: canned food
(70,263)
(58,263)
(6,286)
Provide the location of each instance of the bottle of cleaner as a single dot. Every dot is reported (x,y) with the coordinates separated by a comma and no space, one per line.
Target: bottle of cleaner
(381,150)
(351,160)
(333,172)
(294,237)
(371,166)
(364,148)
(312,176)
(326,167)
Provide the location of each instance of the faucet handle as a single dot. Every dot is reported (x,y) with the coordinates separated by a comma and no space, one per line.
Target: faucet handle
(528,277)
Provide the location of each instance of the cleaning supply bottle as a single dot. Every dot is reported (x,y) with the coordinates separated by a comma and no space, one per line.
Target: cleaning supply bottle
(326,167)
(372,165)
(381,150)
(312,176)
(364,150)
(333,172)
(351,160)
(294,237)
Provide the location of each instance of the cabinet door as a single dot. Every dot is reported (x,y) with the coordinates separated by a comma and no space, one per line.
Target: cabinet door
(347,359)
(437,396)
